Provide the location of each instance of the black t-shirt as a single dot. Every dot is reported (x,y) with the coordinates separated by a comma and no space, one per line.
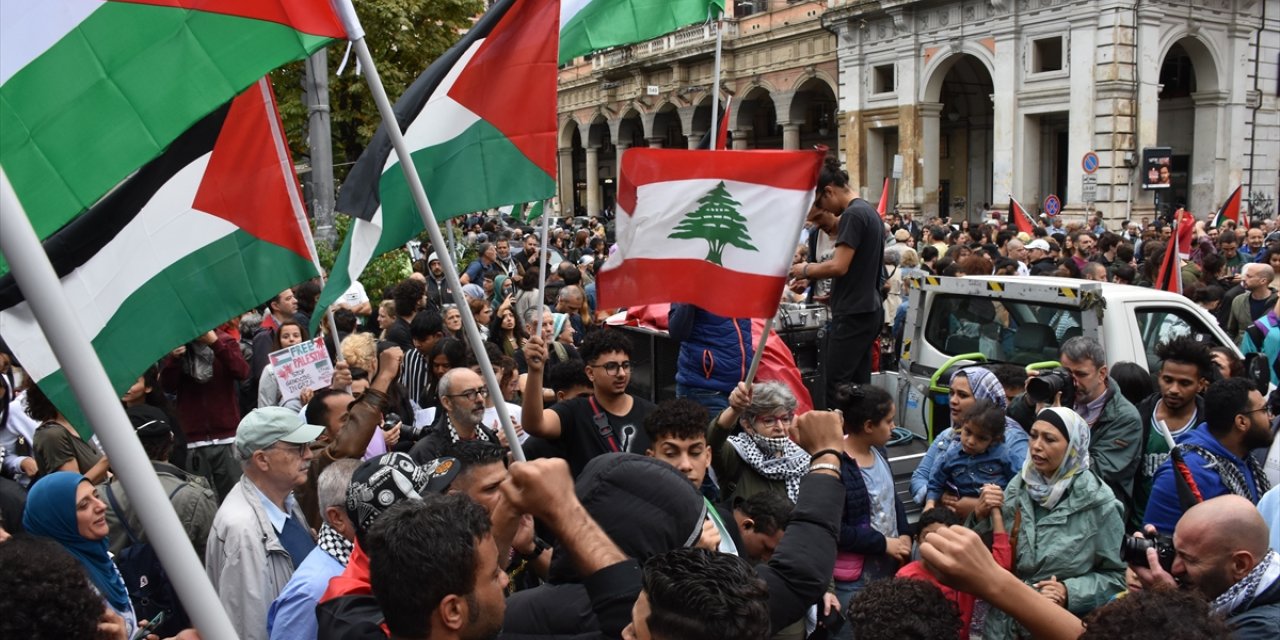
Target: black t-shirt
(858,290)
(581,439)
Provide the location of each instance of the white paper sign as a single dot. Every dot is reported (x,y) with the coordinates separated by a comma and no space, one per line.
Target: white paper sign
(302,366)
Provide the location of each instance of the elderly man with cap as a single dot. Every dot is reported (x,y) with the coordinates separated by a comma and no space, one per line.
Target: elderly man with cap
(348,610)
(260,534)
(1041,262)
(190,494)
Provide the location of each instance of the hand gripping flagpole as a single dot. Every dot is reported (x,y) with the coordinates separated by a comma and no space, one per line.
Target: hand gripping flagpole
(101,404)
(355,33)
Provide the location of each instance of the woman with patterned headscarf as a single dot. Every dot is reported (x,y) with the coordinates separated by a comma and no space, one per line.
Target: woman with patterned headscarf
(968,386)
(1065,525)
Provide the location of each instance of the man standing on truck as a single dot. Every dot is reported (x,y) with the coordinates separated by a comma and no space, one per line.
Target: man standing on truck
(1115,428)
(857,271)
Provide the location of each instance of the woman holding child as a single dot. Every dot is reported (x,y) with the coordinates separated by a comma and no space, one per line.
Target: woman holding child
(1064,525)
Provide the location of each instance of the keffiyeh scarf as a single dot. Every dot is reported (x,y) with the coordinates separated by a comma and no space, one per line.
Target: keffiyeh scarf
(338,547)
(761,454)
(1231,476)
(1243,592)
(1048,491)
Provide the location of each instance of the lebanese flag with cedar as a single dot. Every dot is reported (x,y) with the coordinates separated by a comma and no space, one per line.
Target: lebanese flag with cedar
(717,229)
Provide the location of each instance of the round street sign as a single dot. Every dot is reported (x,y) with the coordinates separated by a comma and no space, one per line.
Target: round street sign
(1090,162)
(1052,205)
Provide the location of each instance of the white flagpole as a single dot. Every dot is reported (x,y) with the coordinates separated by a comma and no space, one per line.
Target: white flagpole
(715,86)
(101,404)
(542,268)
(356,34)
(295,199)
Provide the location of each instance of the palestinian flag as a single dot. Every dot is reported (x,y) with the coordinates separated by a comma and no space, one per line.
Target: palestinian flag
(1230,211)
(532,212)
(1020,216)
(200,234)
(1169,277)
(884,199)
(481,124)
(592,25)
(717,229)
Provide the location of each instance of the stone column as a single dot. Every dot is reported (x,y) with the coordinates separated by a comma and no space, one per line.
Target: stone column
(930,129)
(1208,180)
(790,136)
(655,142)
(617,165)
(695,138)
(740,139)
(566,181)
(1005,110)
(593,181)
(1149,61)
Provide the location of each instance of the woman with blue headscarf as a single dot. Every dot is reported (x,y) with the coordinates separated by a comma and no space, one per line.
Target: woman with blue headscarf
(1065,526)
(968,386)
(63,506)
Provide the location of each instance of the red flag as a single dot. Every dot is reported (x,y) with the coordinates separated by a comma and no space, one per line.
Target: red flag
(1230,211)
(884,198)
(1020,216)
(722,136)
(1169,277)
(689,218)
(1184,231)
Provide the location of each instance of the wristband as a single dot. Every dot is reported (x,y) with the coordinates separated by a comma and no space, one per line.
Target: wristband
(824,452)
(821,466)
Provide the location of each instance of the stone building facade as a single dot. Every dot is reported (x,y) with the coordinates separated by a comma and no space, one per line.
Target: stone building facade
(980,99)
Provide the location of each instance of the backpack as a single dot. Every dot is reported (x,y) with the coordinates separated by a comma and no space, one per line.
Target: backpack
(149,587)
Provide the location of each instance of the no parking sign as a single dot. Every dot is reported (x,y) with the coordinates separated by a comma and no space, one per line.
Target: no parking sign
(1052,206)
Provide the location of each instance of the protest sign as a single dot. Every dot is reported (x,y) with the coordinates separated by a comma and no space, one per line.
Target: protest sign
(302,366)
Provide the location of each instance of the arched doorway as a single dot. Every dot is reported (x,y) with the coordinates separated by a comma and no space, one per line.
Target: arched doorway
(813,109)
(667,130)
(1187,123)
(572,169)
(597,159)
(757,121)
(965,139)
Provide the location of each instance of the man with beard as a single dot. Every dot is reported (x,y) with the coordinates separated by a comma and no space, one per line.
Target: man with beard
(1222,555)
(1217,453)
(1169,415)
(438,291)
(462,393)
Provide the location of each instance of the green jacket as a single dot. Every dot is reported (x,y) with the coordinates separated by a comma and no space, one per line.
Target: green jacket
(1078,541)
(737,478)
(1115,441)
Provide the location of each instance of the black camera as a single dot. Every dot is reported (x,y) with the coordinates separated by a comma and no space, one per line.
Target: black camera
(1046,386)
(1134,550)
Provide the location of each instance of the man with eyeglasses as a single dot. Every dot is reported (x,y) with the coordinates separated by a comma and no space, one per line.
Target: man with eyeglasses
(607,421)
(260,534)
(1217,453)
(462,395)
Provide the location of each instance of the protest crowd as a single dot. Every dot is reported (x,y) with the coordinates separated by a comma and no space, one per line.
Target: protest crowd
(386,503)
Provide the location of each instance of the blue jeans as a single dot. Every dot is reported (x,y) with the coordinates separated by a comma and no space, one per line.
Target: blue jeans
(714,401)
(873,568)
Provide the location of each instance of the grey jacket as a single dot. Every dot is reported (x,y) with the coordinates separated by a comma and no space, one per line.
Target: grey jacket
(190,495)
(245,560)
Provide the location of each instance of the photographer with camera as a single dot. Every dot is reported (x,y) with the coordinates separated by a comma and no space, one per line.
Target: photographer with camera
(1219,550)
(1216,454)
(1115,428)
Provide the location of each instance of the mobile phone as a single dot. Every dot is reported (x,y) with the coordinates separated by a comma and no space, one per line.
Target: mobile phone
(151,626)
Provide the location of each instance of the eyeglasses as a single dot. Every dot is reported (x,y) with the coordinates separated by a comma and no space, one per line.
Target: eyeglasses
(612,368)
(289,447)
(771,421)
(1252,411)
(472,394)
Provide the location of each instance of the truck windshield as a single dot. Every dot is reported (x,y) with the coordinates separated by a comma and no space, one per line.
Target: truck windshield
(1002,330)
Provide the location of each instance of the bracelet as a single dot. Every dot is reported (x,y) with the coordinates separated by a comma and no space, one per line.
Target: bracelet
(824,466)
(825,452)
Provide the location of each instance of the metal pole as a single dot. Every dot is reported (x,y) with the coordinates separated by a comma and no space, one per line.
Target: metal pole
(93,390)
(542,270)
(453,243)
(321,143)
(755,357)
(715,82)
(356,33)
(295,198)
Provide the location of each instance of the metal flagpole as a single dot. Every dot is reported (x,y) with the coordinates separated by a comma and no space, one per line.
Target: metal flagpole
(295,199)
(453,247)
(542,268)
(715,81)
(93,390)
(356,34)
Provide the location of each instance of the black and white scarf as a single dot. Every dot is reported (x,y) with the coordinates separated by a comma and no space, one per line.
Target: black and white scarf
(1243,592)
(1231,475)
(338,547)
(789,467)
(454,437)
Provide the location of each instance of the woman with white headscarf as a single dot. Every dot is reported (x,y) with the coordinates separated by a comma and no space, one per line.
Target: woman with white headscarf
(1065,526)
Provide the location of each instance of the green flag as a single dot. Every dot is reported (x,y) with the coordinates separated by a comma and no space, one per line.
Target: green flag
(592,25)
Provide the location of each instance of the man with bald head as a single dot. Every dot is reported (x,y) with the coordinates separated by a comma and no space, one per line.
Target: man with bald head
(1223,554)
(1245,309)
(462,394)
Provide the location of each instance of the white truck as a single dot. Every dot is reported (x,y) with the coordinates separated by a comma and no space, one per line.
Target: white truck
(956,322)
